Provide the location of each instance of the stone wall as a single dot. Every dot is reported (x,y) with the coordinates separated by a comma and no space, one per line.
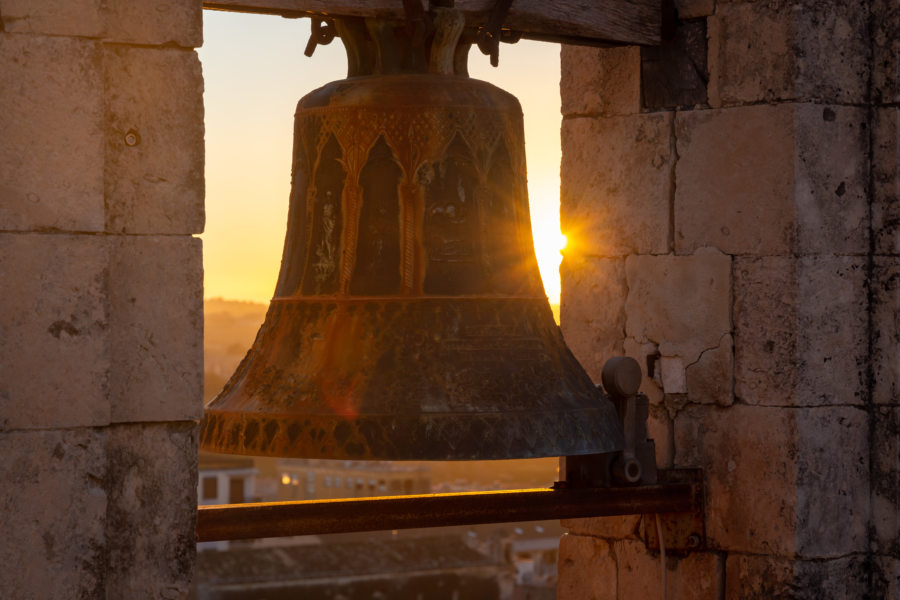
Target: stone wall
(101,189)
(731,201)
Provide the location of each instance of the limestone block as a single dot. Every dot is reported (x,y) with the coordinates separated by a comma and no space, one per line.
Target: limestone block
(735,180)
(885,499)
(885,51)
(709,379)
(51,116)
(152,509)
(886,180)
(155,22)
(691,9)
(638,572)
(54,354)
(766,577)
(682,303)
(694,577)
(780,50)
(800,330)
(765,330)
(806,471)
(600,81)
(885,333)
(154,140)
(592,315)
(617,527)
(586,569)
(53,514)
(831,182)
(745,452)
(832,329)
(56,17)
(616,181)
(832,481)
(156,328)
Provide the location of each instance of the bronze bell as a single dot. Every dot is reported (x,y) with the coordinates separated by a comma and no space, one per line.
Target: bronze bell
(409,320)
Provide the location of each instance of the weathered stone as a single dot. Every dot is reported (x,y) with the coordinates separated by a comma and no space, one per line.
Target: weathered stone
(886,180)
(616,181)
(152,509)
(884,286)
(765,330)
(721,199)
(709,379)
(800,330)
(691,9)
(885,480)
(745,452)
(156,328)
(886,578)
(811,500)
(54,353)
(766,577)
(56,17)
(831,179)
(155,22)
(647,355)
(53,514)
(593,320)
(682,303)
(586,569)
(832,327)
(782,50)
(638,572)
(154,141)
(693,577)
(832,485)
(51,116)
(600,81)
(885,51)
(674,74)
(618,527)
(813,198)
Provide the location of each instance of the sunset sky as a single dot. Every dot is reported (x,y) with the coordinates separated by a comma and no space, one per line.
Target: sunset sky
(255,71)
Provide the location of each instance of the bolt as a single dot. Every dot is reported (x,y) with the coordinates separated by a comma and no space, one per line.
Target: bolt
(693,541)
(132,138)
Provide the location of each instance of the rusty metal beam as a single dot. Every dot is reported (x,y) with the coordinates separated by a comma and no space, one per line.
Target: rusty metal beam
(315,517)
(567,21)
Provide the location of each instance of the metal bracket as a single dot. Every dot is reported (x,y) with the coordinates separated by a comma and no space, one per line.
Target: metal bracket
(488,37)
(682,531)
(322,31)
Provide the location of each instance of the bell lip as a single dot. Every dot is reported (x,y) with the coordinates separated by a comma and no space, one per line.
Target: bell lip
(420,437)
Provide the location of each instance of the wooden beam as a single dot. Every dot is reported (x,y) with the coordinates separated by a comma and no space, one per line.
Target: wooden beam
(572,21)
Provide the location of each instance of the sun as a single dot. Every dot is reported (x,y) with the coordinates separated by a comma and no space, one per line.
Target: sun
(548,246)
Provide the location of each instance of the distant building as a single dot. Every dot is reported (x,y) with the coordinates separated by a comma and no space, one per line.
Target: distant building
(225,479)
(300,479)
(431,568)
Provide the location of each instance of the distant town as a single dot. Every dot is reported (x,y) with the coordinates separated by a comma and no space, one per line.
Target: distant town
(501,561)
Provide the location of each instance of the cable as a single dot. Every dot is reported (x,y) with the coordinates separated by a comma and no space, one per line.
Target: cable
(662,555)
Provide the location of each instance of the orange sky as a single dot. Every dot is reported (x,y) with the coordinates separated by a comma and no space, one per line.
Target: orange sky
(255,71)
